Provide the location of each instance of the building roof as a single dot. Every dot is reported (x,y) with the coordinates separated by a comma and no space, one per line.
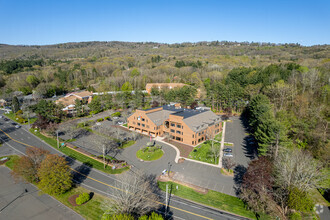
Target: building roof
(196,120)
(67,100)
(82,94)
(201,120)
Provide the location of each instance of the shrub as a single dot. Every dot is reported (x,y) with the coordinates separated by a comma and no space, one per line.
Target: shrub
(117,217)
(84,197)
(300,200)
(100,119)
(295,216)
(153,216)
(75,147)
(107,118)
(20,119)
(116,114)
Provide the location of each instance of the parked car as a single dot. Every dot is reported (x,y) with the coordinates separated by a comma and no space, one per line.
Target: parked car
(1,116)
(228,154)
(229,150)
(6,119)
(17,126)
(115,118)
(120,122)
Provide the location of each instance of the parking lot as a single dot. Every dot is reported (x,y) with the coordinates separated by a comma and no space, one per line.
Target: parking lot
(243,148)
(22,201)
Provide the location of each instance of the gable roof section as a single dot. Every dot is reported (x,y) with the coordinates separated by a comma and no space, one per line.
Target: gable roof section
(201,120)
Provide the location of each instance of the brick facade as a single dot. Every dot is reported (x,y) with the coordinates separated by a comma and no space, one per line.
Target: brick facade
(187,126)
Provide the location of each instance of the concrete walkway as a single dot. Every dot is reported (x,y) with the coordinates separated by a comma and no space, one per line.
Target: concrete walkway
(222,144)
(177,156)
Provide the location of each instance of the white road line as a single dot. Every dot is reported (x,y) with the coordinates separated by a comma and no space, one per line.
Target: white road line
(12,146)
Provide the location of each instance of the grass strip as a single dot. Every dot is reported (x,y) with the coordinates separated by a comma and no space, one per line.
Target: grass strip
(78,156)
(212,198)
(128,144)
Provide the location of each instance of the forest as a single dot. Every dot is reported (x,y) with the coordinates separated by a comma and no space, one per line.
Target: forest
(281,90)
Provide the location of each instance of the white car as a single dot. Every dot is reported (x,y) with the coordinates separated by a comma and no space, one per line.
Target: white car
(1,116)
(115,118)
(17,126)
(120,122)
(228,154)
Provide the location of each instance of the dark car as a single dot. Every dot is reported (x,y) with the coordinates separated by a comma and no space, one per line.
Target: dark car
(6,119)
(229,150)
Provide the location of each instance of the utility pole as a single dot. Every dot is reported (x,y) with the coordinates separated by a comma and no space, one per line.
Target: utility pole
(103,156)
(58,144)
(166,199)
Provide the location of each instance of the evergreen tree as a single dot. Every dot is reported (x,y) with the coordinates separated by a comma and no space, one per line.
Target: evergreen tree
(15,104)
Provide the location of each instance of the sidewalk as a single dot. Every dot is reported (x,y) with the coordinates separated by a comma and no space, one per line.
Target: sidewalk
(222,144)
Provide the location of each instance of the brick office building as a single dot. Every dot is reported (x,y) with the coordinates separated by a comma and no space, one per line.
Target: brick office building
(187,126)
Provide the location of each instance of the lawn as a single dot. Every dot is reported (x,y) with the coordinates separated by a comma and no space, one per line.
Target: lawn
(149,153)
(78,156)
(125,125)
(91,210)
(12,159)
(203,153)
(12,116)
(212,198)
(218,136)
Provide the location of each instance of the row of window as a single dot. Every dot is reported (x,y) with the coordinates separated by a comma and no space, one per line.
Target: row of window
(177,138)
(178,132)
(178,126)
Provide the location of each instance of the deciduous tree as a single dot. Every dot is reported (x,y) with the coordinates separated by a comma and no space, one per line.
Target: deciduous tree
(55,176)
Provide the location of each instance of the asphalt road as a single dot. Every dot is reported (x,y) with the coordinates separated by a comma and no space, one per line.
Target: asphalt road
(19,139)
(16,203)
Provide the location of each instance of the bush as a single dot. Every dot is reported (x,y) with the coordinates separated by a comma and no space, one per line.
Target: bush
(20,119)
(300,200)
(117,217)
(84,197)
(153,216)
(107,118)
(295,216)
(100,119)
(116,114)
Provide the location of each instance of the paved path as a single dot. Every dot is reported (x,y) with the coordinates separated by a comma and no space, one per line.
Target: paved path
(30,205)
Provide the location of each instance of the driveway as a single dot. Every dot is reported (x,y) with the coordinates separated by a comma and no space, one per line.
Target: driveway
(16,203)
(188,171)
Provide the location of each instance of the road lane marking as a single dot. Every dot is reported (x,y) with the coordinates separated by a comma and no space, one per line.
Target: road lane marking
(204,217)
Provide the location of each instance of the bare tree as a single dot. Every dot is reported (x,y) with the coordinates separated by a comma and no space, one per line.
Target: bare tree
(135,135)
(228,163)
(135,194)
(215,149)
(299,169)
(102,144)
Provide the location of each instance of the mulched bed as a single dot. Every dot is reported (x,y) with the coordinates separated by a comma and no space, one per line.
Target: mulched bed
(184,149)
(72,199)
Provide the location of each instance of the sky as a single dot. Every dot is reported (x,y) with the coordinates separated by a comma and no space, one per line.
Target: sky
(41,22)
